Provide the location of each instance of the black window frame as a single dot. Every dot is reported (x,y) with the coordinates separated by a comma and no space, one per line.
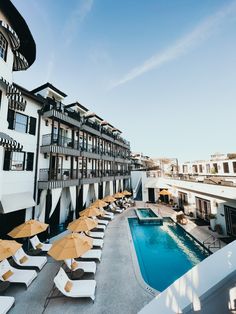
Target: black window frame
(5,50)
(29,161)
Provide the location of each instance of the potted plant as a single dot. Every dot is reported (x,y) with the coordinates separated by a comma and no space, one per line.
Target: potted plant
(212,218)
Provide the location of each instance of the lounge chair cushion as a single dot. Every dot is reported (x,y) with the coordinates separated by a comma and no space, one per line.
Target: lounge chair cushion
(7,274)
(39,246)
(23,259)
(74,265)
(68,286)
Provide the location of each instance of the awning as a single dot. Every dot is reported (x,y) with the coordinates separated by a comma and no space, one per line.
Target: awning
(15,100)
(13,37)
(9,143)
(20,63)
(13,202)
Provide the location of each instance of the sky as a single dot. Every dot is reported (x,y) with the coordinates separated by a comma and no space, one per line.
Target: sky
(162,71)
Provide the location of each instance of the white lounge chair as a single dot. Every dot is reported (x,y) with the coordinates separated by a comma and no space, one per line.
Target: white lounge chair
(92,254)
(101,221)
(96,242)
(101,227)
(16,275)
(79,288)
(88,267)
(107,215)
(6,303)
(24,260)
(36,244)
(115,209)
(96,235)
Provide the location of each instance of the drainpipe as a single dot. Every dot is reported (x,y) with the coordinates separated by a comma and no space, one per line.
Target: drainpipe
(36,162)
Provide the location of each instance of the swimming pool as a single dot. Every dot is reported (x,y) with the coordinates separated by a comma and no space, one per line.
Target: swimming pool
(146,213)
(164,252)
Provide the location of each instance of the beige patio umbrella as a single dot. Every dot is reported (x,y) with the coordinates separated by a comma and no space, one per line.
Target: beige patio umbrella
(90,212)
(99,203)
(118,195)
(71,246)
(8,248)
(126,193)
(82,224)
(109,199)
(28,229)
(164,192)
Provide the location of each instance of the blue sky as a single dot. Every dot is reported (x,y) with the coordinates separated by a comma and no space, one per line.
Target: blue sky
(163,71)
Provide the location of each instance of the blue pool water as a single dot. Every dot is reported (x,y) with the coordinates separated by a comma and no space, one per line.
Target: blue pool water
(164,252)
(146,213)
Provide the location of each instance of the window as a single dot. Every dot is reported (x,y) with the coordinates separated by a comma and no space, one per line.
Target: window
(234,166)
(3,47)
(14,161)
(208,168)
(21,123)
(226,167)
(200,168)
(215,168)
(30,162)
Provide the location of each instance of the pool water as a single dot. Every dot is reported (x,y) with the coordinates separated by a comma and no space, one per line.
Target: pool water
(164,252)
(146,213)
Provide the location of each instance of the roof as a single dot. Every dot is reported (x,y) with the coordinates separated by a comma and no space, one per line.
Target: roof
(48,85)
(27,44)
(78,105)
(29,94)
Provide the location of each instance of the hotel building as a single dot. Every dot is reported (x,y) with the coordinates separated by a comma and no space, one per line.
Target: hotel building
(55,158)
(200,189)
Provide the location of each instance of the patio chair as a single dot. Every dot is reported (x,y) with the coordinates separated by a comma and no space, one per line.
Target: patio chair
(107,215)
(92,254)
(6,303)
(14,275)
(24,260)
(36,244)
(115,209)
(96,235)
(101,221)
(88,267)
(74,288)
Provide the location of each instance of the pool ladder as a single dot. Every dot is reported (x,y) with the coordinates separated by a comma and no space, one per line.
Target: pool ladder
(212,242)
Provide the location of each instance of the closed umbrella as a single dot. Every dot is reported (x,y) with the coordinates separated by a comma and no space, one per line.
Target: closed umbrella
(8,248)
(82,224)
(126,193)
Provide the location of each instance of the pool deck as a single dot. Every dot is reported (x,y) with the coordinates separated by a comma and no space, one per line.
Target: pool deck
(118,288)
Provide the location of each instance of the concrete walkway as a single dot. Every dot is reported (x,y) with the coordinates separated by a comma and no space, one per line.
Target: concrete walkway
(118,290)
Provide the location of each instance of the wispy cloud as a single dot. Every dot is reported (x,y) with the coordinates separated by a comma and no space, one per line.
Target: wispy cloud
(182,46)
(78,15)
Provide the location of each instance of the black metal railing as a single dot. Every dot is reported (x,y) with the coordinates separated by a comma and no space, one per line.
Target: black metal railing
(58,174)
(107,132)
(63,141)
(92,124)
(51,104)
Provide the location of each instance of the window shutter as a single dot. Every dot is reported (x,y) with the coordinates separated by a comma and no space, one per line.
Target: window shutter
(30,162)
(7,160)
(32,125)
(10,119)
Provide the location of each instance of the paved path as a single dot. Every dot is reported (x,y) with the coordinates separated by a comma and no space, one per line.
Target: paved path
(118,291)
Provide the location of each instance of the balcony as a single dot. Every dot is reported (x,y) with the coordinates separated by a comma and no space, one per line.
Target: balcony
(91,127)
(59,145)
(56,178)
(90,151)
(60,113)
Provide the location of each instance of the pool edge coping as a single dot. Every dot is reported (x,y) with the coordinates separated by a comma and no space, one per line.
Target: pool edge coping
(153,292)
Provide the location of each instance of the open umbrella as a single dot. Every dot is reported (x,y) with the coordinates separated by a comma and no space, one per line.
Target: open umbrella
(126,193)
(90,212)
(118,195)
(28,229)
(70,246)
(8,248)
(109,199)
(164,192)
(82,224)
(99,203)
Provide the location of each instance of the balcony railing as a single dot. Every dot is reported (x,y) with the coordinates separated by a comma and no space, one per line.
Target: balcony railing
(92,124)
(103,173)
(58,106)
(58,174)
(107,132)
(63,141)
